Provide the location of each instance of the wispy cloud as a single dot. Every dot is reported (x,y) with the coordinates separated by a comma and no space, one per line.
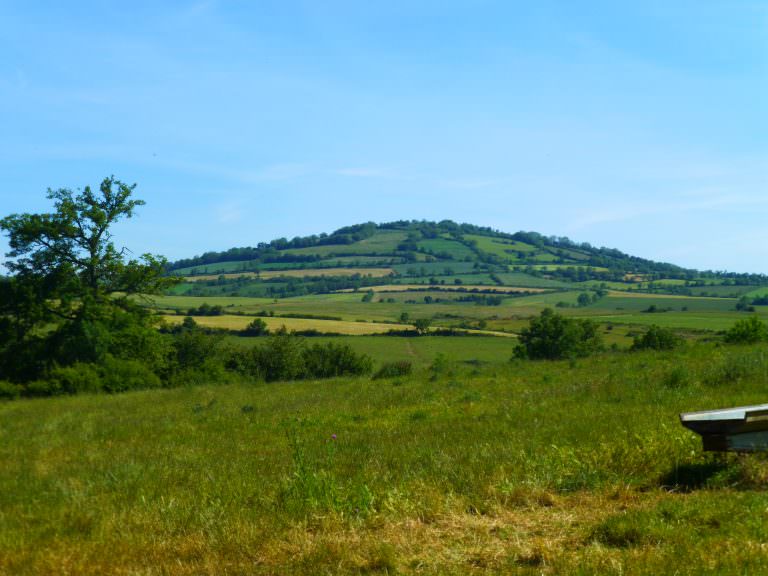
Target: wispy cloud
(471,183)
(628,212)
(229,213)
(362,172)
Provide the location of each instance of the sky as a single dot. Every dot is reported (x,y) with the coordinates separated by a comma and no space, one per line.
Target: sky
(641,126)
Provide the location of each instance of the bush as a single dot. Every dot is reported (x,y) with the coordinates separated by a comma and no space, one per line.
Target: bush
(280,358)
(747,331)
(9,391)
(329,360)
(551,336)
(121,375)
(42,388)
(394,369)
(74,379)
(657,338)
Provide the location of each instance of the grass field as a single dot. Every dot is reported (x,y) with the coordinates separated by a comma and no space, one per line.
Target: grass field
(622,308)
(455,249)
(460,288)
(501,247)
(384,242)
(524,468)
(422,351)
(302,273)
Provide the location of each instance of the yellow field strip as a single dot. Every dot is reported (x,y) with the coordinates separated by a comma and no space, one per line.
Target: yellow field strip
(346,327)
(305,273)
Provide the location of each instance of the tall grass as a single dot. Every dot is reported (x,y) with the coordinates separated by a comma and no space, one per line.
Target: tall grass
(522,467)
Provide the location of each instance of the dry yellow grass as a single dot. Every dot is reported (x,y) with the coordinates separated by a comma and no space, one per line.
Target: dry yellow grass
(538,533)
(305,273)
(233,322)
(346,327)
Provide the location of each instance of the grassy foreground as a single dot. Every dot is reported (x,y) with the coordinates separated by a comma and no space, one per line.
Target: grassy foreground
(554,468)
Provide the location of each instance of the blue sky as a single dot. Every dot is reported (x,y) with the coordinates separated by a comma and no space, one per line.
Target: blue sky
(636,125)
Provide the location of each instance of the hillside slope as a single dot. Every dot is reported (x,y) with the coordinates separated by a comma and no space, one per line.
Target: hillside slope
(429,253)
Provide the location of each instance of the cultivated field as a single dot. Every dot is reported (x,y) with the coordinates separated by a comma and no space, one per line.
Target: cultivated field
(301,273)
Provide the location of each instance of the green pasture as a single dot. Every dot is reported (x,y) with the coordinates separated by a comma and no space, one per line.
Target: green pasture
(510,468)
(711,314)
(726,291)
(501,247)
(455,249)
(640,302)
(435,268)
(420,351)
(571,253)
(701,320)
(758,292)
(546,267)
(383,242)
(448,280)
(526,280)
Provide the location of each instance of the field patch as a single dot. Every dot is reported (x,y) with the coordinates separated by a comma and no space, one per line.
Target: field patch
(450,288)
(301,273)
(235,322)
(383,242)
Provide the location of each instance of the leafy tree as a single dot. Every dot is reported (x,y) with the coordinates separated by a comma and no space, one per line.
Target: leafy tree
(551,336)
(256,328)
(584,299)
(747,331)
(71,289)
(657,338)
(422,325)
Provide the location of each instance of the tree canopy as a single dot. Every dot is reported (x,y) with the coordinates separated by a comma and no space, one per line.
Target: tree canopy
(68,298)
(551,336)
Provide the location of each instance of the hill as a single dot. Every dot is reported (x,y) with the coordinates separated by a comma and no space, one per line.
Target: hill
(435,253)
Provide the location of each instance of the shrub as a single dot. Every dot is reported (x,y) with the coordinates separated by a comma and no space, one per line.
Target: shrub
(120,375)
(657,338)
(42,388)
(551,336)
(9,391)
(74,379)
(394,369)
(329,360)
(279,358)
(747,331)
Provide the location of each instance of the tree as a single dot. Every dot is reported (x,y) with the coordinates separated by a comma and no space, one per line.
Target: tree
(69,278)
(551,336)
(256,328)
(422,325)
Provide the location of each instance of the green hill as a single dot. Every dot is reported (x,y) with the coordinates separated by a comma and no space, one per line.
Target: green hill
(445,253)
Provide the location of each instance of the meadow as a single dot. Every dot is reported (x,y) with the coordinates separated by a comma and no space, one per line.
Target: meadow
(461,468)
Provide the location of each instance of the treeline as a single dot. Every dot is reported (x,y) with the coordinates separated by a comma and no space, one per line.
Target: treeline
(267,252)
(192,355)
